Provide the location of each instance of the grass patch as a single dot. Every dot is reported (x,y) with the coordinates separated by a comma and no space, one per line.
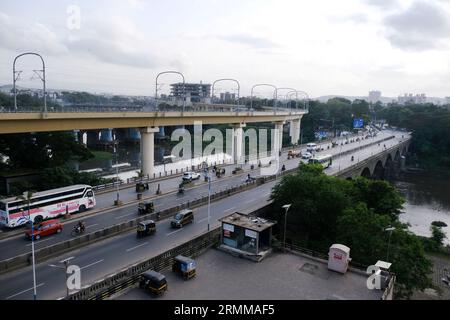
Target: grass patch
(101,155)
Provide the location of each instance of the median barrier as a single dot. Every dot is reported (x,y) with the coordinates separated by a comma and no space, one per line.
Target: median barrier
(71,244)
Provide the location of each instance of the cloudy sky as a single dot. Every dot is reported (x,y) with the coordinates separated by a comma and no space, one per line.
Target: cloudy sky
(322,47)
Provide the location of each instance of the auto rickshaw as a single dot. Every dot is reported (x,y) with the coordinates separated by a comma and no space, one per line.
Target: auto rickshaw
(146,228)
(141,186)
(154,282)
(184,266)
(146,207)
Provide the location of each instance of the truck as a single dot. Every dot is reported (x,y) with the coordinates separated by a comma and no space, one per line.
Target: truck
(294,154)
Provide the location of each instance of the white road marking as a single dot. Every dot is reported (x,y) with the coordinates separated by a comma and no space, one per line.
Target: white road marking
(169,234)
(126,215)
(204,219)
(230,209)
(15,295)
(90,265)
(92,225)
(141,245)
(38,241)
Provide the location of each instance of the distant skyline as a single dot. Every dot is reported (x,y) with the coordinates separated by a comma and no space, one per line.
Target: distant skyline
(323,47)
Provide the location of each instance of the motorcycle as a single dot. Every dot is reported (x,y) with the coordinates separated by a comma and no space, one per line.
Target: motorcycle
(77,230)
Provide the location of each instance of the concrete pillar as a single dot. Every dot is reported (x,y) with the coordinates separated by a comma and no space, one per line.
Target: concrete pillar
(106,135)
(92,137)
(238,143)
(295,131)
(148,150)
(278,136)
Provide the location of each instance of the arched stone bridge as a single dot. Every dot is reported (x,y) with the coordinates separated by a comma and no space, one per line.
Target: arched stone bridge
(376,165)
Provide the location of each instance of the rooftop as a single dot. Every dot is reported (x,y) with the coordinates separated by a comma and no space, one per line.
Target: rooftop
(248,222)
(280,276)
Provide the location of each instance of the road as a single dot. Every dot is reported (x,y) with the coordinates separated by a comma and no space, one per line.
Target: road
(110,255)
(18,245)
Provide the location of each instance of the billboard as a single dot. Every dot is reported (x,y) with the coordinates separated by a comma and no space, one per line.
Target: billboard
(358,123)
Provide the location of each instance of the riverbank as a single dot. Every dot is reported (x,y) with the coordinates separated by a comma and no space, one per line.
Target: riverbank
(427,200)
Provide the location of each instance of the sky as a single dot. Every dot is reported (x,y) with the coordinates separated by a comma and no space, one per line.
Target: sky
(323,47)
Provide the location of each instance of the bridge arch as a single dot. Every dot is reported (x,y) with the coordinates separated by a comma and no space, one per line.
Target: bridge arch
(397,155)
(378,171)
(366,173)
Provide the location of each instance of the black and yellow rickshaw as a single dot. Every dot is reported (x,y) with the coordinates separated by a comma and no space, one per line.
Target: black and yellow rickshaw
(146,207)
(184,266)
(154,282)
(141,186)
(146,228)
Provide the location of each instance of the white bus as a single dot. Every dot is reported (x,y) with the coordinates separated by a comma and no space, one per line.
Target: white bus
(325,160)
(46,205)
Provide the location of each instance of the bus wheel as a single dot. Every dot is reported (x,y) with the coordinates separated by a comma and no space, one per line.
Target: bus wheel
(38,219)
(82,208)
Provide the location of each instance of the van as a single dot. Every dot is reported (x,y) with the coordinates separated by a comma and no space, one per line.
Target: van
(312,147)
(182,218)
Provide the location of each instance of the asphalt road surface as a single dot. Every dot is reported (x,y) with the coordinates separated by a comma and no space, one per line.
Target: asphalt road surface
(110,255)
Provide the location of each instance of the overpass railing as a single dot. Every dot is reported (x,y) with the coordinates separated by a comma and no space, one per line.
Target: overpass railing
(194,108)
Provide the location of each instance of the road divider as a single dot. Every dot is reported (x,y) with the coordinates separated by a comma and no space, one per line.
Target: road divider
(48,252)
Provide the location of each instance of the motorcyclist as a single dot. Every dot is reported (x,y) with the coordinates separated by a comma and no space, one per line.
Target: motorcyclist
(283,168)
(81,226)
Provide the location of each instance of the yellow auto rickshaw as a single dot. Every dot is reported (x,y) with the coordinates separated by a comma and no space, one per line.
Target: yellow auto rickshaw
(154,282)
(184,266)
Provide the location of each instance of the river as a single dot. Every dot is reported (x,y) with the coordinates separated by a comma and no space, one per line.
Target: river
(427,199)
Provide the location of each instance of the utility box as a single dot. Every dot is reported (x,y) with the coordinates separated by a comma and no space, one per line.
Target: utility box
(339,258)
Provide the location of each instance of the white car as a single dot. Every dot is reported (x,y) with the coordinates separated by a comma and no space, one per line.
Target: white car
(306,155)
(191,176)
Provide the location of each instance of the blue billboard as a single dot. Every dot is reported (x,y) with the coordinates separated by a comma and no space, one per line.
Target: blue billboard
(358,123)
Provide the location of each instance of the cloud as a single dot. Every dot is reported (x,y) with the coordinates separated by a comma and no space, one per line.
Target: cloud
(421,26)
(254,42)
(19,37)
(382,4)
(115,40)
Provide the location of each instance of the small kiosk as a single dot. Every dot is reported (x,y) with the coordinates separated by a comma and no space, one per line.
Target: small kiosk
(248,236)
(339,258)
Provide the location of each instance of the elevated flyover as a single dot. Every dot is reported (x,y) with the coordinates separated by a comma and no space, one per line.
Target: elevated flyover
(24,122)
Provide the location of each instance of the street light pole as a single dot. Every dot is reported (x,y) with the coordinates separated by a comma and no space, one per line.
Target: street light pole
(32,244)
(390,230)
(16,77)
(285,207)
(268,85)
(184,87)
(209,198)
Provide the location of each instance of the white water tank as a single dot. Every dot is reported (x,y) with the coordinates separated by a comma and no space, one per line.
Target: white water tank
(339,258)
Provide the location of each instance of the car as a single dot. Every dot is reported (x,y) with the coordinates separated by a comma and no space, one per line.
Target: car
(306,155)
(182,218)
(191,176)
(44,228)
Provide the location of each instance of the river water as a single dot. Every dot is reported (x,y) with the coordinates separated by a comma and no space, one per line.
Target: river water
(427,199)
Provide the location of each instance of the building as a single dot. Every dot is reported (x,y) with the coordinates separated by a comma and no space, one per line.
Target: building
(196,91)
(374,96)
(227,97)
(412,99)
(247,235)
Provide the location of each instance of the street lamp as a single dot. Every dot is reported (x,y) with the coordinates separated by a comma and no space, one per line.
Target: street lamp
(66,265)
(275,94)
(390,230)
(208,175)
(32,251)
(16,75)
(285,207)
(184,87)
(227,79)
